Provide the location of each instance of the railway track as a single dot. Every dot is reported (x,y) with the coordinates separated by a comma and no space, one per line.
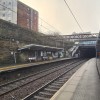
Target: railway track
(48,90)
(19,73)
(13,90)
(33,74)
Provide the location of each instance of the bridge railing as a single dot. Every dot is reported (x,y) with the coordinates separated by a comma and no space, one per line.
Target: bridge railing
(87,44)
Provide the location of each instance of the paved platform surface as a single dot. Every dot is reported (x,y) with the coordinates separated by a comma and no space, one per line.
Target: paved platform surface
(83,85)
(9,68)
(98,65)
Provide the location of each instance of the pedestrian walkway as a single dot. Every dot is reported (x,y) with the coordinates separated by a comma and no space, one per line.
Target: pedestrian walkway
(83,85)
(98,65)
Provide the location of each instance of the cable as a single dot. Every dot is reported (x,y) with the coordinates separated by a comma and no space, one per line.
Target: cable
(73,15)
(46,28)
(21,16)
(49,24)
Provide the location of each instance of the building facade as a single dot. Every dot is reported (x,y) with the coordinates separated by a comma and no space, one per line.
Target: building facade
(18,13)
(8,10)
(27,17)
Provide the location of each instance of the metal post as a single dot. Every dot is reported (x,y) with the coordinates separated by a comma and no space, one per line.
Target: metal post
(14,53)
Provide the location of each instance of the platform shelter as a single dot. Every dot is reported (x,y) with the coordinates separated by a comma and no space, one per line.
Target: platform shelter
(34,52)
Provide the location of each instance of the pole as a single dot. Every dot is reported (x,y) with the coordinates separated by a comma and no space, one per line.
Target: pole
(14,57)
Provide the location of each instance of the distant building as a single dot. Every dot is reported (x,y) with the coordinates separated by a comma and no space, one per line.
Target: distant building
(8,10)
(18,13)
(27,17)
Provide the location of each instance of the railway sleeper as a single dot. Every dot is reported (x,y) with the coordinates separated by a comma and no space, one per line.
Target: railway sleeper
(65,78)
(52,86)
(46,93)
(56,84)
(51,90)
(59,82)
(62,80)
(40,98)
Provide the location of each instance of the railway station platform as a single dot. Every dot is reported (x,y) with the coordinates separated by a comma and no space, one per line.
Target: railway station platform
(83,85)
(20,66)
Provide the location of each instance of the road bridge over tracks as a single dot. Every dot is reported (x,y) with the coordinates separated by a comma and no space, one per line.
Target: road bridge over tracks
(86,45)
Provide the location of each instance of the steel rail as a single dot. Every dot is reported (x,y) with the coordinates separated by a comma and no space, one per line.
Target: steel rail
(32,80)
(30,96)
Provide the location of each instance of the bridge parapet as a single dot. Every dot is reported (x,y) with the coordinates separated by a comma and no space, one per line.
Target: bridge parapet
(87,44)
(82,36)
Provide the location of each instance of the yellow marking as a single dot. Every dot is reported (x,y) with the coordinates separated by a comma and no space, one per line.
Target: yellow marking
(23,65)
(18,66)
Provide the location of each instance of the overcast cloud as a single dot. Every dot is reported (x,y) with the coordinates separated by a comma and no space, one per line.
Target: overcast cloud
(56,13)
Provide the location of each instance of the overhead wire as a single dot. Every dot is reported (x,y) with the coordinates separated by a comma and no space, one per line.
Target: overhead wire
(46,28)
(50,25)
(73,15)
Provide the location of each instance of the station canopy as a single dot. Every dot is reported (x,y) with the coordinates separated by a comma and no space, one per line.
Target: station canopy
(36,47)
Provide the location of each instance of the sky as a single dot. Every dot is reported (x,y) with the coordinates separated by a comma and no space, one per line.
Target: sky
(56,13)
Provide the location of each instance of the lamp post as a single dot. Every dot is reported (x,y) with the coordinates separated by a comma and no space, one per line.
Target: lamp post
(14,56)
(14,53)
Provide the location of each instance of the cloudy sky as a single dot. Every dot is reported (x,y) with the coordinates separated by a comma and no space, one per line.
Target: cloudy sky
(56,13)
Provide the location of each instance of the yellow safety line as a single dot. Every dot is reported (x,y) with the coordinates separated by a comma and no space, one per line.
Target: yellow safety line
(21,66)
(12,67)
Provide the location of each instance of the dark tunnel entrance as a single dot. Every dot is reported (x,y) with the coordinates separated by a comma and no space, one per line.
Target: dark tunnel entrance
(88,52)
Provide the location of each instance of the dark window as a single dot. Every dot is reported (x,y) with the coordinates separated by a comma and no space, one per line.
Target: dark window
(9,3)
(3,15)
(3,8)
(9,20)
(3,3)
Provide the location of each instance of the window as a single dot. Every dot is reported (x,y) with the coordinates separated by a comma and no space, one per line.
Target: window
(9,3)
(3,15)
(28,23)
(28,8)
(27,20)
(9,20)
(27,14)
(3,8)
(35,17)
(35,12)
(3,3)
(9,15)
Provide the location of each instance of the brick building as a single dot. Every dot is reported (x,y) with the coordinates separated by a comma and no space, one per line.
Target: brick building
(27,17)
(18,13)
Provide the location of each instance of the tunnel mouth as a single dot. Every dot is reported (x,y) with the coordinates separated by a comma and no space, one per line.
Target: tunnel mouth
(88,52)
